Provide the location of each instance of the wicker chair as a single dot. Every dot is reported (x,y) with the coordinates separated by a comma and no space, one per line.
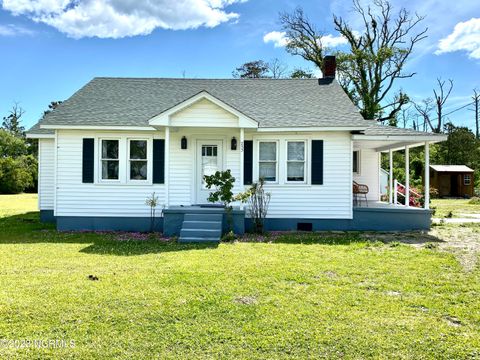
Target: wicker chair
(360,192)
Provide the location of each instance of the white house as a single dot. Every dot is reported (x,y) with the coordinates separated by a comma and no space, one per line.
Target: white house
(113,143)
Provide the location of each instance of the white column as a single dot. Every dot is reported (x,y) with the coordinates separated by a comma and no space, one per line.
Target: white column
(407,176)
(167,166)
(427,175)
(242,140)
(390,176)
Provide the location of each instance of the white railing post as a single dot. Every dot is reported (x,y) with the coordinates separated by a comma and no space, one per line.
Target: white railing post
(407,176)
(241,147)
(395,194)
(427,175)
(390,176)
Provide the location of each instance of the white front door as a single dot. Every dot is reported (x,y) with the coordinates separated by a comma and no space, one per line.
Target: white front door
(209,160)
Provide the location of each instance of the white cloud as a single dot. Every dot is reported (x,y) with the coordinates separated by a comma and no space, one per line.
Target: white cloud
(333,41)
(279,39)
(14,30)
(122,18)
(465,36)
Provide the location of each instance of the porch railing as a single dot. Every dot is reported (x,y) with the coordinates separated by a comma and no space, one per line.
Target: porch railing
(400,190)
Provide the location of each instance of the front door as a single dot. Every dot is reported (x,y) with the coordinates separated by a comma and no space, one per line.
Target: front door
(209,160)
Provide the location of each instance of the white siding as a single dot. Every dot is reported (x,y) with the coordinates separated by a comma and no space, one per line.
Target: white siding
(332,200)
(204,113)
(369,173)
(46,173)
(75,198)
(182,180)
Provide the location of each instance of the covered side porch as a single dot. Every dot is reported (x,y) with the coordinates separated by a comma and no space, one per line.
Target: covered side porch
(379,197)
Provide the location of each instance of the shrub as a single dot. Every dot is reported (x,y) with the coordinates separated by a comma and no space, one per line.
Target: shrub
(17,174)
(474,201)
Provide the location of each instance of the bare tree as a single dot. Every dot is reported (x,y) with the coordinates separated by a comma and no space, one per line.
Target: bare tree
(11,122)
(431,109)
(476,109)
(303,37)
(376,58)
(277,68)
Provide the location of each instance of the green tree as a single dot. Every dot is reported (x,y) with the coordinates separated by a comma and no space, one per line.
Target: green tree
(17,174)
(12,146)
(301,74)
(252,70)
(376,58)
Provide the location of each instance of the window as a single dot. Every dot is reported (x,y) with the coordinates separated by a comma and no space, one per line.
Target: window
(110,160)
(138,164)
(267,165)
(295,161)
(467,179)
(356,162)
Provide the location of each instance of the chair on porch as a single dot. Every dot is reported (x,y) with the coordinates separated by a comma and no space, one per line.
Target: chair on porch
(359,191)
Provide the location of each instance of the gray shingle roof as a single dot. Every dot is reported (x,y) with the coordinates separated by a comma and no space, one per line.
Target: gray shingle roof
(272,103)
(375,129)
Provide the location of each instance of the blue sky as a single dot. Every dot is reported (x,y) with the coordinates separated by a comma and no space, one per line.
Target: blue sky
(50,48)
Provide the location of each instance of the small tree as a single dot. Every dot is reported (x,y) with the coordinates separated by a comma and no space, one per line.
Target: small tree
(152,201)
(258,205)
(252,70)
(222,182)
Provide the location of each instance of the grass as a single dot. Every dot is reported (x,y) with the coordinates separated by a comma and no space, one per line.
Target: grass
(443,207)
(299,296)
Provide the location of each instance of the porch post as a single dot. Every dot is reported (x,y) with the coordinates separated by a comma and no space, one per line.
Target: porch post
(407,176)
(167,166)
(242,140)
(390,176)
(427,175)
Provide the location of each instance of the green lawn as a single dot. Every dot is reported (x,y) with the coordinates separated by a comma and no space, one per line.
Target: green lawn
(456,206)
(300,296)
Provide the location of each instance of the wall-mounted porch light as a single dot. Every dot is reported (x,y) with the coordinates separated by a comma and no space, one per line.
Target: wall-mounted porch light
(183,143)
(233,144)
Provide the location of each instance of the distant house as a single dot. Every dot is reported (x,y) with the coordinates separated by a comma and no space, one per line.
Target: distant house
(452,180)
(117,140)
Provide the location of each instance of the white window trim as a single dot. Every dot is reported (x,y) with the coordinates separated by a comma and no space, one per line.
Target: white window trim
(148,160)
(277,149)
(305,152)
(469,177)
(100,161)
(359,162)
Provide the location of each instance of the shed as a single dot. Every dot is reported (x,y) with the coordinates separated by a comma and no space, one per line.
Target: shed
(452,180)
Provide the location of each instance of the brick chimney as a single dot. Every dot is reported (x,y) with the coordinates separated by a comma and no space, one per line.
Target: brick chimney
(329,67)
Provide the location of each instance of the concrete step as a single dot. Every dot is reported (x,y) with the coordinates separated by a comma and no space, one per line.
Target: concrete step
(203,217)
(197,240)
(201,233)
(202,225)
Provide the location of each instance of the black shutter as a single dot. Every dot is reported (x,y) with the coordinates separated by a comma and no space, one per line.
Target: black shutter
(317,162)
(87,160)
(158,161)
(247,162)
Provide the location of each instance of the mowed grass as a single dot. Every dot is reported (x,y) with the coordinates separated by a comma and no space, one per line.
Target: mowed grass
(301,296)
(457,207)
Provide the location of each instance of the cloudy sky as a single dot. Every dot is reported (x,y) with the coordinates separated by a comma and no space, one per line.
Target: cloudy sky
(50,48)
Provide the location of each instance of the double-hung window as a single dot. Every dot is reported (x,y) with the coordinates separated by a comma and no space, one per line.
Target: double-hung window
(267,160)
(110,159)
(296,161)
(467,179)
(137,160)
